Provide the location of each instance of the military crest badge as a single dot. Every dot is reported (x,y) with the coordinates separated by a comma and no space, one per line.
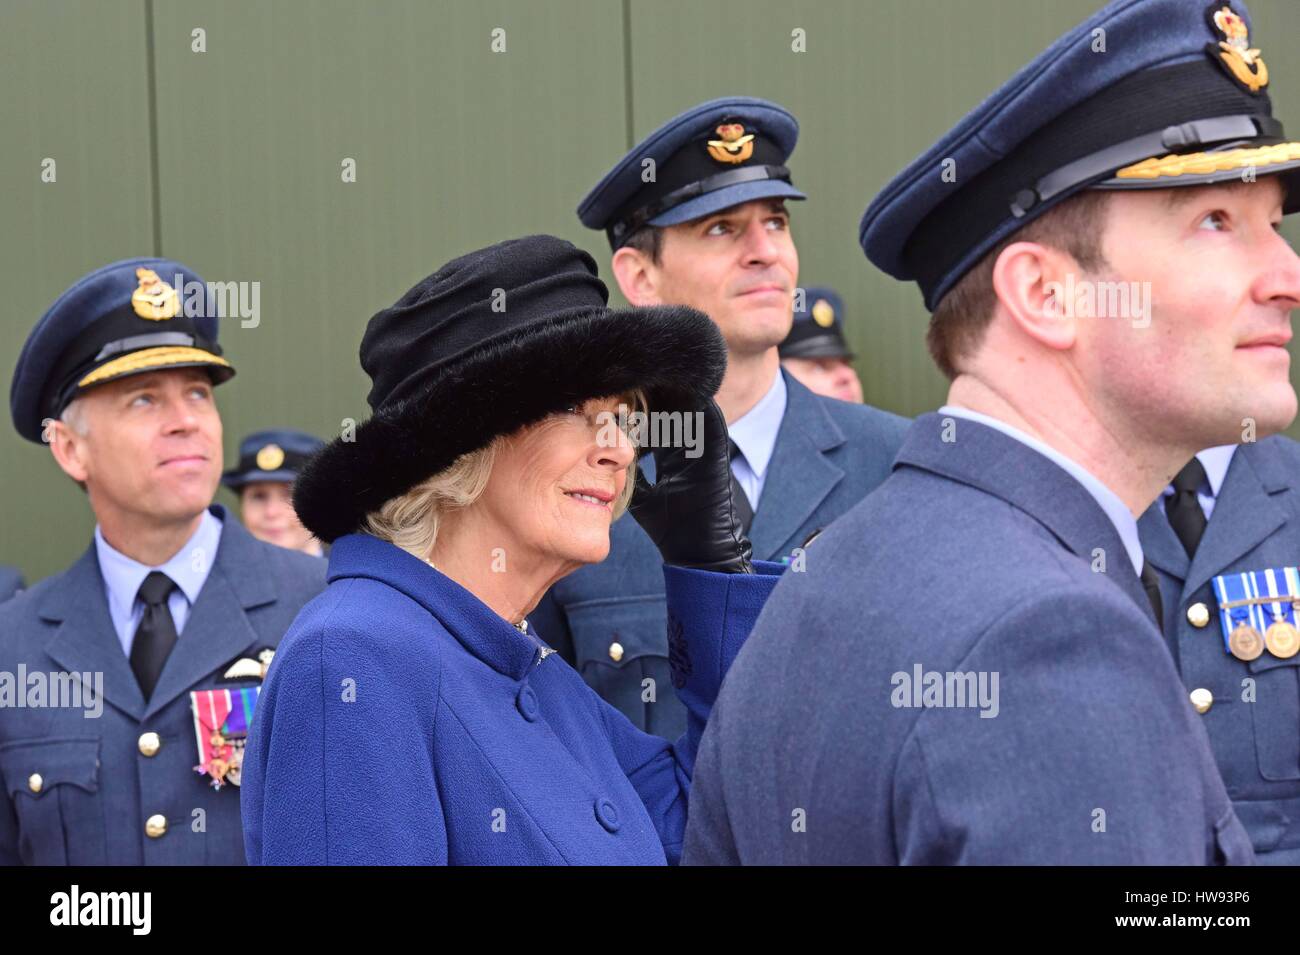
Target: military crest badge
(733,144)
(1234,52)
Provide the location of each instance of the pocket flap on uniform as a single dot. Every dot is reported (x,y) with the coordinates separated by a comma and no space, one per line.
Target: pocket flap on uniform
(615,631)
(1266,661)
(34,767)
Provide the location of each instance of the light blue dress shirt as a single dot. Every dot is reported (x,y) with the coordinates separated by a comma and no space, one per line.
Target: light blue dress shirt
(1118,512)
(1216,462)
(755,435)
(188,567)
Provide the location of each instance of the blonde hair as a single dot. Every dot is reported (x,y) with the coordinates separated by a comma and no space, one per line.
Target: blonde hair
(411,520)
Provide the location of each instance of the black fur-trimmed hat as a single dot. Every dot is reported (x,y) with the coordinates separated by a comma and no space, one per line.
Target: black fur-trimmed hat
(492,341)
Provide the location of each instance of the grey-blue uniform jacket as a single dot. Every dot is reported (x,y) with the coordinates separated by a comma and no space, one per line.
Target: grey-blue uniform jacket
(1255,525)
(829,744)
(609,619)
(11,582)
(96,786)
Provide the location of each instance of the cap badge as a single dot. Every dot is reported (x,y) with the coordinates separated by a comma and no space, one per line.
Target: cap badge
(270,457)
(154,299)
(1244,64)
(823,314)
(733,145)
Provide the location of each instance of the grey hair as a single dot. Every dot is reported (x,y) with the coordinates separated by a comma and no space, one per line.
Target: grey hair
(74,416)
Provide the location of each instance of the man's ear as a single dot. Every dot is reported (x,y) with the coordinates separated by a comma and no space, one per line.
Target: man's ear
(637,276)
(69,449)
(1031,282)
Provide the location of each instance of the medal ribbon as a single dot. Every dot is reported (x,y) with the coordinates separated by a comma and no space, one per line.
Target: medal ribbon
(1282,609)
(1282,584)
(241,711)
(211,707)
(1229,589)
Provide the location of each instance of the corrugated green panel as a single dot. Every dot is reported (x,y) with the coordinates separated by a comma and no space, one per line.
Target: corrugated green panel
(75,90)
(879,82)
(455,147)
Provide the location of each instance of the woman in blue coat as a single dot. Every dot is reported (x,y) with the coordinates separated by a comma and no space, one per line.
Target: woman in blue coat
(410,716)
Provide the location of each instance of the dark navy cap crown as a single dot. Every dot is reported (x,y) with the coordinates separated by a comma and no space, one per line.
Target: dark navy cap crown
(1146,94)
(127,318)
(818,328)
(275,455)
(716,155)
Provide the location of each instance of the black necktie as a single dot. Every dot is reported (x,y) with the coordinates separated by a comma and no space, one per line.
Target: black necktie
(1151,584)
(744,510)
(156,635)
(1184,509)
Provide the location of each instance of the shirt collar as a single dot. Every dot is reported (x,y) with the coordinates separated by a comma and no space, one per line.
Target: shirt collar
(1118,512)
(1216,462)
(755,431)
(188,567)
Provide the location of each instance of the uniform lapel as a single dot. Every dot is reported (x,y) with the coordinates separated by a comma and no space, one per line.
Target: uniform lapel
(998,464)
(218,631)
(1245,512)
(799,476)
(1159,542)
(85,641)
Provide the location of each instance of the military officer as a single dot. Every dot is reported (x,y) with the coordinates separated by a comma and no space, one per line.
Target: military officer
(815,353)
(131,677)
(710,229)
(1229,524)
(269,463)
(969,671)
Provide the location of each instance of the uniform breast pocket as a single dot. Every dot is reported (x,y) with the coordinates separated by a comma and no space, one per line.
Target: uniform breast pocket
(621,649)
(1276,712)
(53,785)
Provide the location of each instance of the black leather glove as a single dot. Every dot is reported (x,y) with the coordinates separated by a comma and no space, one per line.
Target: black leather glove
(688,511)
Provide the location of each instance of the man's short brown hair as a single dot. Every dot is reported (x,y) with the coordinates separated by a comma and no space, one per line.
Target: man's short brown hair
(963,315)
(648,240)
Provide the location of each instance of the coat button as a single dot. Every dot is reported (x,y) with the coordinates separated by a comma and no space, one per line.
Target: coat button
(527,703)
(155,826)
(616,651)
(35,782)
(1202,699)
(1198,615)
(149,743)
(607,815)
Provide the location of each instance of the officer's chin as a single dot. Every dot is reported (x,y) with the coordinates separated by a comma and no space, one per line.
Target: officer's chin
(1276,409)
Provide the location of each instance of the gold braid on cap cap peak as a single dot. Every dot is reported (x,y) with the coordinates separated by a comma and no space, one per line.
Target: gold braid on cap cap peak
(1199,164)
(151,358)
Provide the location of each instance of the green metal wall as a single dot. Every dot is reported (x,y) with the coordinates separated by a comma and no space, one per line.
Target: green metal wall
(230,160)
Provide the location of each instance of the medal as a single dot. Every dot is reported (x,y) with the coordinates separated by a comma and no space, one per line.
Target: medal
(1245,642)
(221,721)
(1260,602)
(1282,640)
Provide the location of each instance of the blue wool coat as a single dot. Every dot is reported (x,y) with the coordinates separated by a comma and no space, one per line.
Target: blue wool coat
(1255,735)
(403,722)
(978,556)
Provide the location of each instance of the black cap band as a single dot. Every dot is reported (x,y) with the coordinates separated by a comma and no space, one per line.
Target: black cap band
(1171,139)
(621,229)
(1179,108)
